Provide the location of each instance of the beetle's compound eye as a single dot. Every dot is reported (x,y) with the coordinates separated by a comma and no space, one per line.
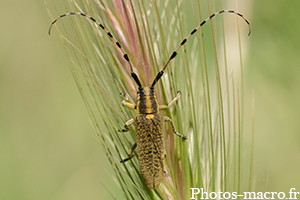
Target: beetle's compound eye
(141,91)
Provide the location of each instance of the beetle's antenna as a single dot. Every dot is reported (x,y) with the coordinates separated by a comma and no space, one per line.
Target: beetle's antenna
(125,56)
(158,76)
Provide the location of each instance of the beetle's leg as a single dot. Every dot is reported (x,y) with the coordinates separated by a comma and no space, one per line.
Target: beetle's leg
(127,124)
(130,154)
(164,107)
(167,119)
(127,104)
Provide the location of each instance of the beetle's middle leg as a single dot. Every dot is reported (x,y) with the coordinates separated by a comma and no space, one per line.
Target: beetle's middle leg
(127,124)
(167,119)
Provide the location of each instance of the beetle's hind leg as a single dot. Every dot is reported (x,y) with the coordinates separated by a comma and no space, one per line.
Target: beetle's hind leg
(167,119)
(130,154)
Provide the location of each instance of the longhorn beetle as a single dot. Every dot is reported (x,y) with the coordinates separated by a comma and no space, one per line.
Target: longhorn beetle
(149,120)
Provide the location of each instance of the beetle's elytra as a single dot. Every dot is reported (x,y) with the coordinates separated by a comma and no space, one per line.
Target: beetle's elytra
(149,119)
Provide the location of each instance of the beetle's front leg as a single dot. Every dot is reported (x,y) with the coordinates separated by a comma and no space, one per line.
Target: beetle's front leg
(126,103)
(164,107)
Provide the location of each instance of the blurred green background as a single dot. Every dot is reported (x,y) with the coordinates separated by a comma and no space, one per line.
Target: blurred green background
(47,144)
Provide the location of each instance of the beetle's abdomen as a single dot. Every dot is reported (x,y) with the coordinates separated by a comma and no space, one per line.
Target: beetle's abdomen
(150,147)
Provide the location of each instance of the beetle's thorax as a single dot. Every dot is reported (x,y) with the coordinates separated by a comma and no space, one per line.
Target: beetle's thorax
(146,101)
